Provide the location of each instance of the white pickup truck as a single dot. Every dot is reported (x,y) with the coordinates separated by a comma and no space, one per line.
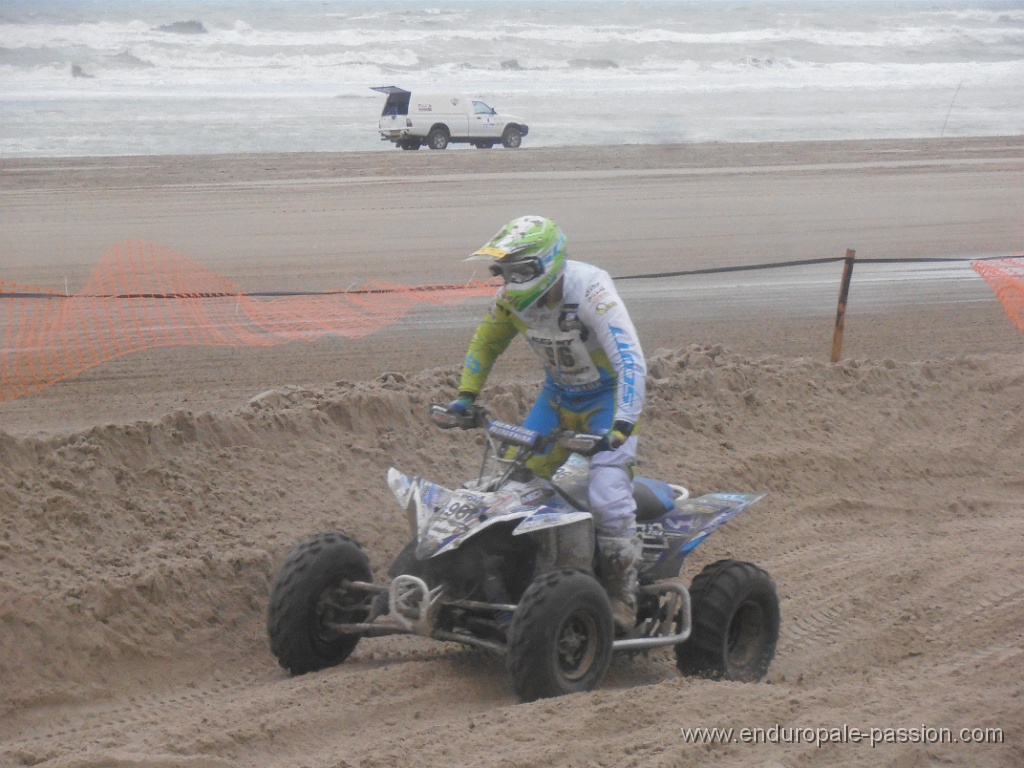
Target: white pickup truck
(437,120)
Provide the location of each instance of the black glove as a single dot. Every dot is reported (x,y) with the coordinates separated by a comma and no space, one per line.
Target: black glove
(615,437)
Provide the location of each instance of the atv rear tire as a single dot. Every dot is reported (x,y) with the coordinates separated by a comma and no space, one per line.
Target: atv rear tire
(561,636)
(307,594)
(735,623)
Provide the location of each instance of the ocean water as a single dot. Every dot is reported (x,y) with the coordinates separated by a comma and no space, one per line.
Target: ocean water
(124,77)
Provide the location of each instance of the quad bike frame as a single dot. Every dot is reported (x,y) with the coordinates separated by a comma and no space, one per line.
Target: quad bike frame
(413,608)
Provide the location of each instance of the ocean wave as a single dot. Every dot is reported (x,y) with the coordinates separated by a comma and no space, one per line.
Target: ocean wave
(754,61)
(592,64)
(184,28)
(895,38)
(524,41)
(129,60)
(986,15)
(28,57)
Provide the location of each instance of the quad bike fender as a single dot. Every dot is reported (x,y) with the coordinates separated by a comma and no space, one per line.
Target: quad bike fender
(440,537)
(442,519)
(549,517)
(565,536)
(695,519)
(570,544)
(477,513)
(418,497)
(670,538)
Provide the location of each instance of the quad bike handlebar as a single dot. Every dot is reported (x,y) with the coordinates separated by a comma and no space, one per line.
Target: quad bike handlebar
(477,417)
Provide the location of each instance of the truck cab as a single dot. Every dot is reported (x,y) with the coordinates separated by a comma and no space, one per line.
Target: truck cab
(411,120)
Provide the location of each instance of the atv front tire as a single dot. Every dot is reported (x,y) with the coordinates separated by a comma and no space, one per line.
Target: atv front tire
(735,623)
(308,596)
(560,640)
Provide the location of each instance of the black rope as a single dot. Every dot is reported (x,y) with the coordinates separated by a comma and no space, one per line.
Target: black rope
(224,295)
(426,288)
(805,262)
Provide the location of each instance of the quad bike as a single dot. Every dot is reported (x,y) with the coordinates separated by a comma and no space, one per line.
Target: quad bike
(506,563)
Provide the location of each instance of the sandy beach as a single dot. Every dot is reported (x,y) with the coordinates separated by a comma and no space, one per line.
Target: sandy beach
(147,501)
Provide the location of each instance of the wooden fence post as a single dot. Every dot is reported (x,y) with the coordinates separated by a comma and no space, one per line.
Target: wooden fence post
(844,293)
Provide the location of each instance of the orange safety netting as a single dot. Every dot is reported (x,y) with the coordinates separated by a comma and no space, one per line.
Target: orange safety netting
(1006,278)
(142,296)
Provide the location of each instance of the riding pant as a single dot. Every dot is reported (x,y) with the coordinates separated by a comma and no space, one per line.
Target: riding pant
(611,472)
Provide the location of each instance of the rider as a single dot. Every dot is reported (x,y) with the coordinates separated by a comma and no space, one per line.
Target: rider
(573,318)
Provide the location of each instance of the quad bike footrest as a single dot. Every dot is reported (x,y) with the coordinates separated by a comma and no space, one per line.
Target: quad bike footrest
(671,626)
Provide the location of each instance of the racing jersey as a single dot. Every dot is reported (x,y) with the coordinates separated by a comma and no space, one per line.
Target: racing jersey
(585,342)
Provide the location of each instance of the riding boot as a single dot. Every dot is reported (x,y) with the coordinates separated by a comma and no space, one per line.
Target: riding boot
(618,559)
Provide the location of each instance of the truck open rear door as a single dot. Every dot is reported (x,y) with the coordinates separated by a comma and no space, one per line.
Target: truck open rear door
(393,118)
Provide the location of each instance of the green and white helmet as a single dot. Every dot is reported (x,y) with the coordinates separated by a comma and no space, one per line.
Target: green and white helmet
(528,253)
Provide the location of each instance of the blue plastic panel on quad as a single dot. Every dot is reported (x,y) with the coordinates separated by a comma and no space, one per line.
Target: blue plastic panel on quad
(669,538)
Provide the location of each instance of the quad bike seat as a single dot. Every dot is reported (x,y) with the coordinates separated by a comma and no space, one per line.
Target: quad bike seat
(653,497)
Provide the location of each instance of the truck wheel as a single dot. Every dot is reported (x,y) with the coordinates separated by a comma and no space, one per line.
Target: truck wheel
(512,138)
(409,144)
(437,138)
(735,623)
(560,640)
(308,595)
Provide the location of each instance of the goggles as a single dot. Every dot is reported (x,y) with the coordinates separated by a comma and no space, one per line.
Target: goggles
(518,272)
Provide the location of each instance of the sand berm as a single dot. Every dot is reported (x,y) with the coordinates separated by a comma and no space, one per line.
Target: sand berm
(137,570)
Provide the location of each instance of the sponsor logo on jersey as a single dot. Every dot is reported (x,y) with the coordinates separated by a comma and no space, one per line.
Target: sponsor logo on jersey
(625,347)
(594,290)
(569,322)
